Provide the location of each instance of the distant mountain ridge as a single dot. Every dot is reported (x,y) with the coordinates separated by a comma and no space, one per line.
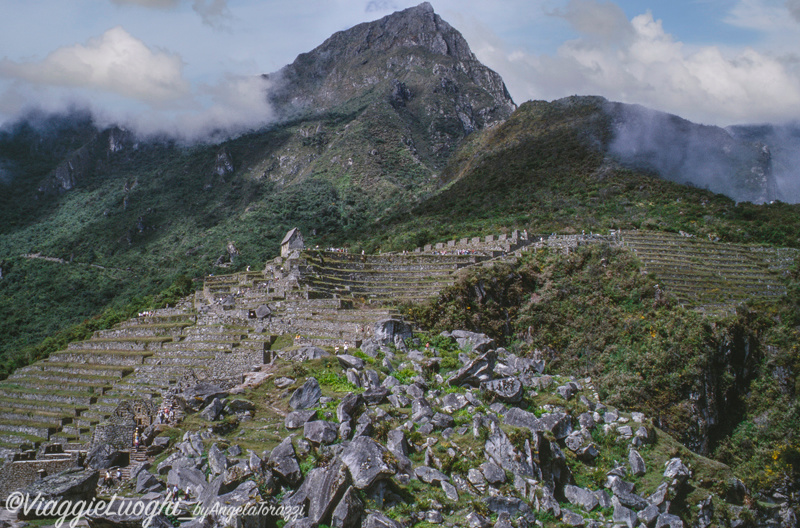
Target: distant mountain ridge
(684,152)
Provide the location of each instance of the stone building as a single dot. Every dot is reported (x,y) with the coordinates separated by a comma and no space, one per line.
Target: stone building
(291,242)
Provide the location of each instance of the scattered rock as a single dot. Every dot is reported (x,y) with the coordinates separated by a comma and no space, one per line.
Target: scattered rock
(507,390)
(103,456)
(347,361)
(581,497)
(320,432)
(213,410)
(475,372)
(306,396)
(367,461)
(297,419)
(283,462)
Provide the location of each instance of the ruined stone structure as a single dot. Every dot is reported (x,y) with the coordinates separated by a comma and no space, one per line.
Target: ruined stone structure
(293,241)
(26,467)
(321,298)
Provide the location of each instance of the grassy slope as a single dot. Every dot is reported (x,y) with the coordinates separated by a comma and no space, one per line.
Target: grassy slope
(711,382)
(544,170)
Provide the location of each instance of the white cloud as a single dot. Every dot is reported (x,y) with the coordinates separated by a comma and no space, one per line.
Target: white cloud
(650,67)
(233,105)
(215,13)
(115,62)
(603,21)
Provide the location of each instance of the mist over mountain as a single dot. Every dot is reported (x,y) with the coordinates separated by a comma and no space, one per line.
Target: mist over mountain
(703,156)
(783,142)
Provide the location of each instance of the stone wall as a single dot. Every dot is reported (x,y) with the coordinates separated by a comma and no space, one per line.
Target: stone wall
(114,434)
(19,474)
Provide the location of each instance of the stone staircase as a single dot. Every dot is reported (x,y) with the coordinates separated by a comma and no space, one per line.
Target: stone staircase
(711,276)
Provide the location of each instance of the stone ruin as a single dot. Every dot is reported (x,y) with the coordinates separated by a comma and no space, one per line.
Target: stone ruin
(129,417)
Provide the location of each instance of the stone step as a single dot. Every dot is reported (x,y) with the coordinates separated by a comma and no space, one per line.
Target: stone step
(15,439)
(46,385)
(78,368)
(28,428)
(42,406)
(132,344)
(208,346)
(87,423)
(49,418)
(142,331)
(157,319)
(75,430)
(102,357)
(27,393)
(62,437)
(193,361)
(63,378)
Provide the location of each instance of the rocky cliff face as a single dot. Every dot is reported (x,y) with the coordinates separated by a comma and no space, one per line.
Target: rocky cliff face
(80,163)
(398,47)
(783,143)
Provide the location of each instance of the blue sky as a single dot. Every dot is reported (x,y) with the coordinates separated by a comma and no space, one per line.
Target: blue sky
(187,65)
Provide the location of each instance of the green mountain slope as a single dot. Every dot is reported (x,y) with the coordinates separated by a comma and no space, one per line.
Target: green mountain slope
(548,169)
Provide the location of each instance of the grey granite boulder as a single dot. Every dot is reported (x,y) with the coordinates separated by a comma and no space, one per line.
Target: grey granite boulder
(347,513)
(348,407)
(507,390)
(103,456)
(283,462)
(581,497)
(430,475)
(472,341)
(320,492)
(636,463)
(475,372)
(217,460)
(73,485)
(147,482)
(368,461)
(320,432)
(212,410)
(297,419)
(188,479)
(347,361)
(306,396)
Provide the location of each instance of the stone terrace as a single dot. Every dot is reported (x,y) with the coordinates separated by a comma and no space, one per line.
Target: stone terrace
(57,399)
(324,298)
(328,298)
(712,276)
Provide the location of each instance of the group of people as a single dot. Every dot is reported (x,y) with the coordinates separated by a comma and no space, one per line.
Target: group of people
(112,476)
(335,250)
(166,414)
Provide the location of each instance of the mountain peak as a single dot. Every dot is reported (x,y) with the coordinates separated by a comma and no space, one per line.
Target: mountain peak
(391,48)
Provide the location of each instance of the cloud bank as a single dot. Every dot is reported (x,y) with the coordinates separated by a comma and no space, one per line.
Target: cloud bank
(638,61)
(114,62)
(123,81)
